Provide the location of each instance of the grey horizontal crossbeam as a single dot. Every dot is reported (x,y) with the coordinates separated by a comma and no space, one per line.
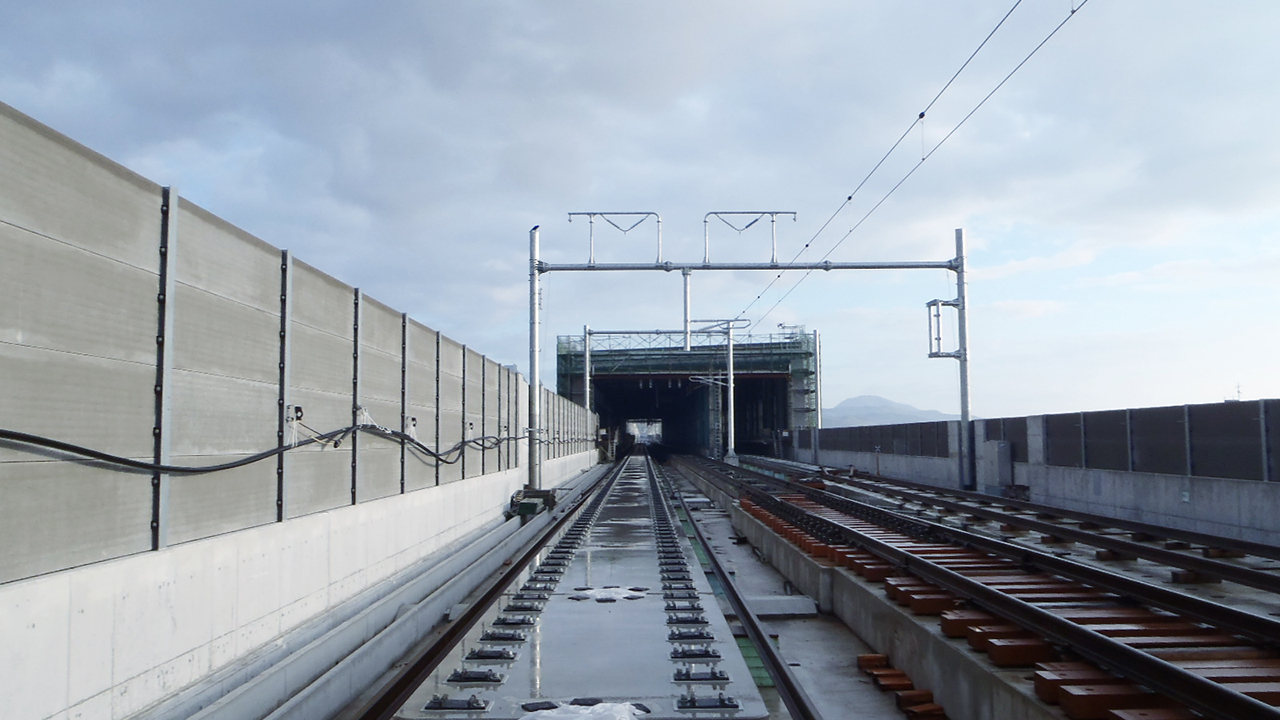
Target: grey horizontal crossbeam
(545,267)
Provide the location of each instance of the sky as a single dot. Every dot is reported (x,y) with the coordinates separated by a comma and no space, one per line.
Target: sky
(1120,192)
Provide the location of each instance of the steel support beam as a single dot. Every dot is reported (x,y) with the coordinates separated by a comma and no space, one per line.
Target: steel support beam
(537,267)
(543,267)
(535,349)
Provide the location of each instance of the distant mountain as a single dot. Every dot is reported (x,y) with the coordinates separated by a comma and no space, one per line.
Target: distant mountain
(875,410)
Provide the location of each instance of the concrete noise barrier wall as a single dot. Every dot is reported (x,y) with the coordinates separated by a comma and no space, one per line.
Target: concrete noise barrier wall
(1210,468)
(135,323)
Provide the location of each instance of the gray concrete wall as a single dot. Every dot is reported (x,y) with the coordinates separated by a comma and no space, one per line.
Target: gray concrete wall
(1243,509)
(943,472)
(940,471)
(119,586)
(108,639)
(77,347)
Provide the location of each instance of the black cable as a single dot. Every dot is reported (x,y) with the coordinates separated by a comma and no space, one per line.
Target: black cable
(919,119)
(926,156)
(488,442)
(156,467)
(778,277)
(971,57)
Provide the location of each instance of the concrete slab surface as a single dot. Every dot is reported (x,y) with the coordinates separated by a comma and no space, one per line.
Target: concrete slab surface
(820,650)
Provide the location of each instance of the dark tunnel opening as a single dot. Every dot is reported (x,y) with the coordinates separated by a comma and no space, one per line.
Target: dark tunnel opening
(687,410)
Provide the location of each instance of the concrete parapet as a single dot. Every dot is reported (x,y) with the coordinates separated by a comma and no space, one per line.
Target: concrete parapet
(1235,508)
(107,640)
(942,472)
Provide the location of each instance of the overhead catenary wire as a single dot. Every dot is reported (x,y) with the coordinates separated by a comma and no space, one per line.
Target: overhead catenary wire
(925,156)
(919,120)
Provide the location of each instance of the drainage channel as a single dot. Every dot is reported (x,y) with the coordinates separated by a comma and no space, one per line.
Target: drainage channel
(614,610)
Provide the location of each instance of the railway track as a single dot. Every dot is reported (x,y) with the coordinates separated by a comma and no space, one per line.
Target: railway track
(1198,556)
(609,607)
(1102,640)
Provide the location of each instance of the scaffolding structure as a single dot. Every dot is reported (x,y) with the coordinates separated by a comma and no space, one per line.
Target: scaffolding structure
(661,353)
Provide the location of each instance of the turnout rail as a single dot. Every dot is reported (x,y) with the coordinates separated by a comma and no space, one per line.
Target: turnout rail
(1100,637)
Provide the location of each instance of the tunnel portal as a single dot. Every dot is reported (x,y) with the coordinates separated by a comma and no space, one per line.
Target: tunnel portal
(650,376)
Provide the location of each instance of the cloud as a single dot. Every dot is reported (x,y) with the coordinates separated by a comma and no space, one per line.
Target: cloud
(1200,275)
(407,147)
(1024,309)
(1076,256)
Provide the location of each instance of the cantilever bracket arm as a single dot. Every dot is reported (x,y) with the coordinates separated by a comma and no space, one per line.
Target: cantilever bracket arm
(608,217)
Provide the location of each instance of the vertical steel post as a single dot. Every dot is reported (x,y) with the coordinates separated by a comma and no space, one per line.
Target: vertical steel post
(591,233)
(706,239)
(659,240)
(1186,441)
(535,384)
(1267,472)
(731,455)
(162,430)
(462,454)
(355,394)
(687,274)
(437,422)
(773,226)
(1128,440)
(967,475)
(586,367)
(404,390)
(817,373)
(284,401)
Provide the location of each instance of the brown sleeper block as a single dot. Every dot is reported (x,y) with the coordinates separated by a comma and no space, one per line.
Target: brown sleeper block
(932,711)
(872,660)
(907,698)
(1267,692)
(1238,674)
(1014,652)
(980,635)
(932,603)
(956,623)
(894,682)
(1047,682)
(1091,702)
(876,573)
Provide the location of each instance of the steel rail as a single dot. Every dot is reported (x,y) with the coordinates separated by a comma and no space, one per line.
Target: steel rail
(397,692)
(1200,694)
(870,481)
(1258,628)
(1205,696)
(792,692)
(1204,566)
